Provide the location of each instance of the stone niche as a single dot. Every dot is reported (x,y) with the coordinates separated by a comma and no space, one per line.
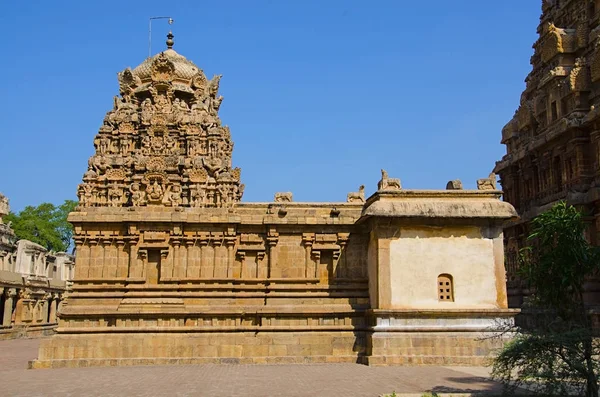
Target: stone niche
(172,268)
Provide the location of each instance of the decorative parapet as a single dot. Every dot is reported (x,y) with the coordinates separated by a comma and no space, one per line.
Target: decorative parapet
(483,204)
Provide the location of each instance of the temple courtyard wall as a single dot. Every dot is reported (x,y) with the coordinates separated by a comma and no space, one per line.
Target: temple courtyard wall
(33,284)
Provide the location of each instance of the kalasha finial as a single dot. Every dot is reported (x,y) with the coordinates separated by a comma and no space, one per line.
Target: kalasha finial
(170,41)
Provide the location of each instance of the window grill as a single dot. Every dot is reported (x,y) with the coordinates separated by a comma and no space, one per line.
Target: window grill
(445,288)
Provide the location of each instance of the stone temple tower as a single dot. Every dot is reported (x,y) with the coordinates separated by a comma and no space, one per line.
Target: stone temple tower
(163,143)
(171,268)
(553,139)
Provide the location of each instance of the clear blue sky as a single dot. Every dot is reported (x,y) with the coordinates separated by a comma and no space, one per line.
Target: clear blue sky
(319,94)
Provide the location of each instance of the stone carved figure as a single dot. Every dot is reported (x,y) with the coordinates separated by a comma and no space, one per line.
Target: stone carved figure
(138,197)
(488,183)
(124,144)
(116,196)
(146,145)
(214,165)
(161,103)
(173,196)
(100,164)
(357,197)
(4,207)
(455,184)
(197,196)
(146,111)
(102,144)
(171,144)
(283,197)
(181,110)
(128,82)
(85,193)
(155,191)
(387,183)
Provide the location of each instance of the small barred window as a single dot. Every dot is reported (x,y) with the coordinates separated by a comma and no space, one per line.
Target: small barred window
(445,288)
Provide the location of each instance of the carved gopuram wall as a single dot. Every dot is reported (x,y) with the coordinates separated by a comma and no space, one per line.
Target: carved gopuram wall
(172,268)
(553,139)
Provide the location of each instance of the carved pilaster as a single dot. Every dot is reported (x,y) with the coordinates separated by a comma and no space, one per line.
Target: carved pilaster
(230,244)
(53,307)
(272,239)
(176,261)
(11,293)
(186,262)
(204,240)
(134,262)
(82,259)
(343,242)
(105,270)
(45,309)
(24,307)
(218,270)
(121,264)
(164,253)
(143,253)
(309,265)
(93,270)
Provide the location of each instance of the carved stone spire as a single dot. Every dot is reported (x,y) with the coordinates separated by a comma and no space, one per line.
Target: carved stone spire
(163,143)
(170,41)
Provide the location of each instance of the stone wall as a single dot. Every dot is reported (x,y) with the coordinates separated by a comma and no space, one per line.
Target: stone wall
(286,282)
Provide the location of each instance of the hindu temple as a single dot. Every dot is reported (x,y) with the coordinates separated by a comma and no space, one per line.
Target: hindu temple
(172,267)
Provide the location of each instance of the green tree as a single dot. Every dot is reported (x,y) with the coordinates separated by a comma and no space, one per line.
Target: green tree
(554,351)
(45,224)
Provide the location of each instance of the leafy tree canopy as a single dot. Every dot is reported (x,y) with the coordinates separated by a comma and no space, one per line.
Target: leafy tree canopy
(45,224)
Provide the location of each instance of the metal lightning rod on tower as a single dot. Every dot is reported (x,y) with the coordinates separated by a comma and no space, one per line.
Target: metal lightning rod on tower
(150,32)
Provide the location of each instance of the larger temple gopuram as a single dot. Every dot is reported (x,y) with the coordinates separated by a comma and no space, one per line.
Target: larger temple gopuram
(553,140)
(171,268)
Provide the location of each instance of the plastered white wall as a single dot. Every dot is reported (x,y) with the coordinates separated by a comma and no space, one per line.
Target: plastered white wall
(423,253)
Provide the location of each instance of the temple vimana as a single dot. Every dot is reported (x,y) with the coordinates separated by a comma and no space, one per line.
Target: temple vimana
(553,140)
(173,268)
(33,283)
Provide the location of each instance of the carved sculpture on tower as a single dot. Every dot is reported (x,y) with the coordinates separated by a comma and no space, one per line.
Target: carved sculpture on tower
(163,143)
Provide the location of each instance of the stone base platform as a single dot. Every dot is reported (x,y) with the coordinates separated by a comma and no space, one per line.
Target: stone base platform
(164,348)
(118,362)
(107,349)
(27,331)
(436,337)
(433,348)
